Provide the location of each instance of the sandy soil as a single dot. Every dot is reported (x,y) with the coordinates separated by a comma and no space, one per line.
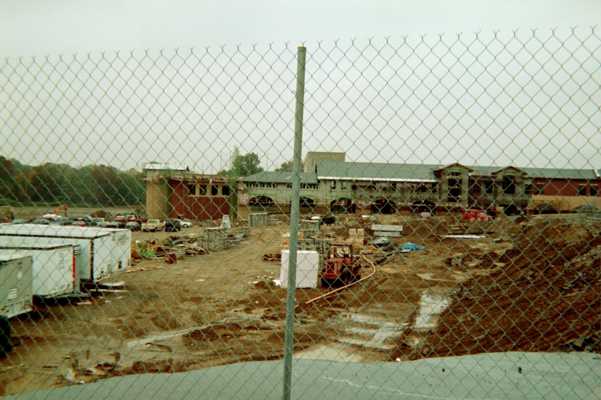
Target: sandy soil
(223,308)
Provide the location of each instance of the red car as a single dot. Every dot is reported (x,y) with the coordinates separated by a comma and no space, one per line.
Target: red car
(475,215)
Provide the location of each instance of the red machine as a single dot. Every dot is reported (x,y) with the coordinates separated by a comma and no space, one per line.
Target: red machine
(341,266)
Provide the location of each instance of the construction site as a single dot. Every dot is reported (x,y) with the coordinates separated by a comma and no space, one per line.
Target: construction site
(398,216)
(420,286)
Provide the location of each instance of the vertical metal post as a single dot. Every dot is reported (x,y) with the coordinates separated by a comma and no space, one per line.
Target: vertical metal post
(294,217)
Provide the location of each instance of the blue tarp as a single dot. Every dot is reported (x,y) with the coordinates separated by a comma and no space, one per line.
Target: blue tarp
(408,247)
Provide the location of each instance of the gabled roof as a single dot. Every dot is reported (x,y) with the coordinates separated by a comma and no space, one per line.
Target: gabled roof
(279,177)
(328,169)
(509,167)
(455,164)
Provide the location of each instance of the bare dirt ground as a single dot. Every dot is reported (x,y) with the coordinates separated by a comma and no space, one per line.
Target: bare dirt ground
(223,308)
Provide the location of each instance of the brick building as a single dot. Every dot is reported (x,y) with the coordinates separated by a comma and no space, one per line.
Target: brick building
(179,193)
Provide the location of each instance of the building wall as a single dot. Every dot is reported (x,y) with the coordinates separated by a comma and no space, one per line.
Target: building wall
(193,207)
(402,194)
(563,187)
(157,196)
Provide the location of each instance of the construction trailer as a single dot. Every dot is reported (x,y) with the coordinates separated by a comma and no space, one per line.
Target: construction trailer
(102,252)
(54,267)
(16,290)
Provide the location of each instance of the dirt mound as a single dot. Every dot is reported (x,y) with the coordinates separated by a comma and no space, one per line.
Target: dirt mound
(546,297)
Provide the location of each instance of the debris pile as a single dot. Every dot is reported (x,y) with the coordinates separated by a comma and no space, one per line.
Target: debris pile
(178,246)
(544,295)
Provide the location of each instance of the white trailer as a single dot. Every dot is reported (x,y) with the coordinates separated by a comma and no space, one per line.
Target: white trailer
(103,251)
(54,267)
(16,295)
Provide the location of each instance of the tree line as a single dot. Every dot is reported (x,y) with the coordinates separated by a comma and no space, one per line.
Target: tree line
(93,185)
(53,184)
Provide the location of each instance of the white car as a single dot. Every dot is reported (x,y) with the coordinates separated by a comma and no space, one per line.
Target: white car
(185,224)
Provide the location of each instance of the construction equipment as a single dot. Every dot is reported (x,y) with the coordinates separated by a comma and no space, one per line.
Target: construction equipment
(341,266)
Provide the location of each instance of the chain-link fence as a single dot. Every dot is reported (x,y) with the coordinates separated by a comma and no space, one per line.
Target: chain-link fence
(446,213)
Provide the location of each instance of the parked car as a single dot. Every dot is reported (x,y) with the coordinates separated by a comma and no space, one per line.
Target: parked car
(61,221)
(120,220)
(41,221)
(133,225)
(111,224)
(153,225)
(185,224)
(474,214)
(173,225)
(18,221)
(420,206)
(97,221)
(545,208)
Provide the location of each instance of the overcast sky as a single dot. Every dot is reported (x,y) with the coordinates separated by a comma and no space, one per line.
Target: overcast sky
(396,101)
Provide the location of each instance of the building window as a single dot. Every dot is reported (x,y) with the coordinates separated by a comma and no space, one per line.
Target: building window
(333,185)
(455,189)
(225,190)
(594,190)
(342,185)
(214,190)
(202,189)
(539,188)
(191,188)
(489,187)
(529,189)
(581,191)
(509,184)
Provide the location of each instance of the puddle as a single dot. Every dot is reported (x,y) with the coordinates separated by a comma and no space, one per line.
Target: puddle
(430,307)
(370,333)
(161,336)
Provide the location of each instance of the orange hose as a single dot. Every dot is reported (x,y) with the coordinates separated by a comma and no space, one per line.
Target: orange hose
(331,292)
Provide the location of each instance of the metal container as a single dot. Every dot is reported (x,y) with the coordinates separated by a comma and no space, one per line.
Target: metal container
(54,267)
(16,294)
(258,219)
(102,250)
(310,226)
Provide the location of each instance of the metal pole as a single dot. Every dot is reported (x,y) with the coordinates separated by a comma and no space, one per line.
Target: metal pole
(294,217)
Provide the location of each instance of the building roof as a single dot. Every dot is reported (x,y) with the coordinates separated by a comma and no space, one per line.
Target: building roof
(280,177)
(371,171)
(425,172)
(375,171)
(561,173)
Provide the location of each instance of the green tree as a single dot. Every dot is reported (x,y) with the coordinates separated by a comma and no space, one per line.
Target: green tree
(92,185)
(287,166)
(245,164)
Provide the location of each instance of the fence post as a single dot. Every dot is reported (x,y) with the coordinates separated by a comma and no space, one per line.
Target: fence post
(294,217)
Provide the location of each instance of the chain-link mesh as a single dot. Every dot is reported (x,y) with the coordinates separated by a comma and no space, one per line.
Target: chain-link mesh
(449,229)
